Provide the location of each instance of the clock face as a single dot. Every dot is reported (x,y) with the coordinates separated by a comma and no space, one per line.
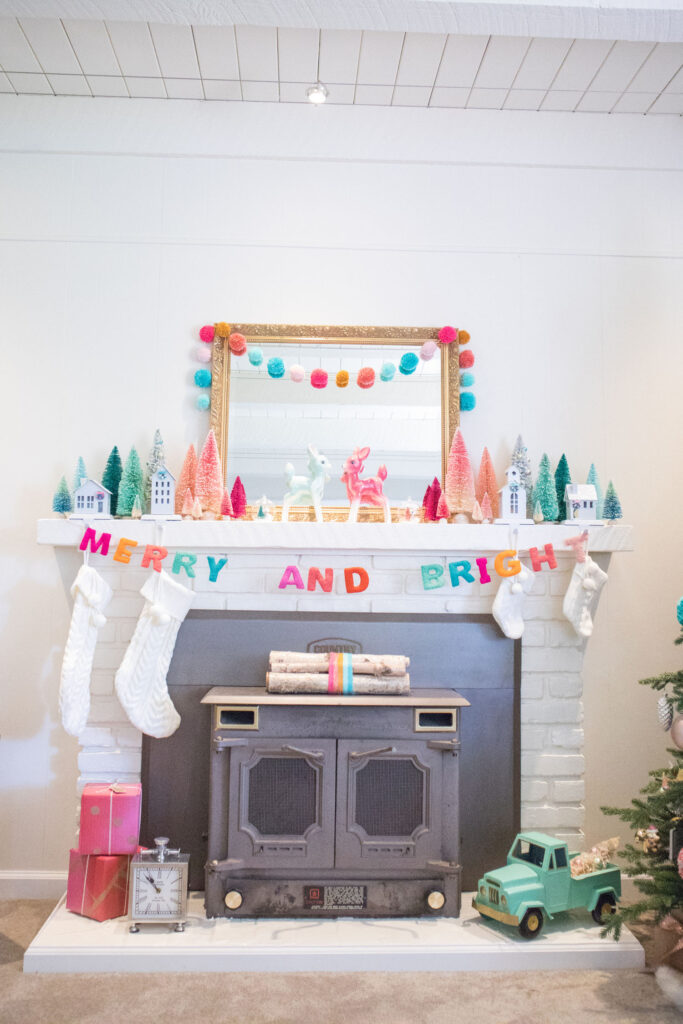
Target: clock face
(158,891)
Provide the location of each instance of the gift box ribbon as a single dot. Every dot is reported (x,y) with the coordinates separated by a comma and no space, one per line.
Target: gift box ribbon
(114,882)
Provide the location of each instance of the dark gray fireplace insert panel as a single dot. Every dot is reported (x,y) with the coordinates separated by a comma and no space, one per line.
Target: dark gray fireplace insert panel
(467,653)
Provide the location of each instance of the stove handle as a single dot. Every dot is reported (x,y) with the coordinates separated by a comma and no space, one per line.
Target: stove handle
(357,754)
(314,755)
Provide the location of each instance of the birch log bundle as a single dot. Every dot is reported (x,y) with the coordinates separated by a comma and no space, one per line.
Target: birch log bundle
(298,672)
(362,664)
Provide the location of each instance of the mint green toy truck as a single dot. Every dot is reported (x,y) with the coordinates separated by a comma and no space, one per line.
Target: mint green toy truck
(537,883)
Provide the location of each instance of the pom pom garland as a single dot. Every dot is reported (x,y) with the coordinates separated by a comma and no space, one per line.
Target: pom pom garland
(255,356)
(466,380)
(679,611)
(463,337)
(427,351)
(238,344)
(467,401)
(408,363)
(203,354)
(387,372)
(297,373)
(366,377)
(223,330)
(203,402)
(342,378)
(319,378)
(447,335)
(466,360)
(276,369)
(207,332)
(202,378)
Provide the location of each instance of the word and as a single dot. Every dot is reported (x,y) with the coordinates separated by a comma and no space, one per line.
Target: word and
(504,564)
(153,555)
(356,579)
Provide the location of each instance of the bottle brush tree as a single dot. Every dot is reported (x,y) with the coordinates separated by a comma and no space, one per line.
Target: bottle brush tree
(459,484)
(487,483)
(520,459)
(435,494)
(562,478)
(612,505)
(111,478)
(209,484)
(592,478)
(131,486)
(61,501)
(187,479)
(80,473)
(155,460)
(226,505)
(426,503)
(545,494)
(238,498)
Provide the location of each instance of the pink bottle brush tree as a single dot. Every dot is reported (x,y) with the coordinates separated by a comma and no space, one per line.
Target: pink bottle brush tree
(187,480)
(209,485)
(459,487)
(487,483)
(239,499)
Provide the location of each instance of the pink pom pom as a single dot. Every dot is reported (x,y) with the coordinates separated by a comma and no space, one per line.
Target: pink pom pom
(427,351)
(366,377)
(204,355)
(297,373)
(466,359)
(238,344)
(319,378)
(447,335)
(207,332)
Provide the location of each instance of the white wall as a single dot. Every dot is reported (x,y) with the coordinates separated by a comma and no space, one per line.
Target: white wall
(124,225)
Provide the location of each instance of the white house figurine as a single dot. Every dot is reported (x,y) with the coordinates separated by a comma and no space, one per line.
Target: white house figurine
(513,499)
(162,495)
(581,503)
(91,501)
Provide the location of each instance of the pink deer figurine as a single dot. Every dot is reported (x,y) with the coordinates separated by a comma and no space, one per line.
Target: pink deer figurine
(364,492)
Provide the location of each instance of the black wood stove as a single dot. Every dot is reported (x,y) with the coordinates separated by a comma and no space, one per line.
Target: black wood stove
(328,806)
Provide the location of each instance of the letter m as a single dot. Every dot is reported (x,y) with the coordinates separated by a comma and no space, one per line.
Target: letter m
(90,538)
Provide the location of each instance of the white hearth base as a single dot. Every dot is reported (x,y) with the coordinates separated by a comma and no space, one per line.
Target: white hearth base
(69,944)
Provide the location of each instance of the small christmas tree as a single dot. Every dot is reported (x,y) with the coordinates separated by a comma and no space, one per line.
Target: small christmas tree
(592,478)
(435,494)
(62,499)
(442,511)
(111,478)
(238,499)
(486,510)
(562,478)
(188,477)
(612,506)
(155,460)
(545,494)
(538,513)
(209,486)
(426,503)
(196,509)
(131,485)
(80,474)
(520,459)
(477,515)
(136,511)
(226,505)
(187,506)
(459,485)
(487,483)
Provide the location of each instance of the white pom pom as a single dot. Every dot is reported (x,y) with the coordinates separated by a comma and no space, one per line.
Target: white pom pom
(160,616)
(516,588)
(97,619)
(588,584)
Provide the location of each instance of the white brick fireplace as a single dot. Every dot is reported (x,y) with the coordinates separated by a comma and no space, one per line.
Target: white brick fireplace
(552,761)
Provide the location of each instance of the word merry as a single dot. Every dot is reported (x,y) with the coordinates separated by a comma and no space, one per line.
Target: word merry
(153,555)
(505,564)
(291,577)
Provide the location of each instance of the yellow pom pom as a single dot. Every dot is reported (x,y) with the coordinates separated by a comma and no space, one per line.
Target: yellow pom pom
(463,337)
(222,330)
(342,378)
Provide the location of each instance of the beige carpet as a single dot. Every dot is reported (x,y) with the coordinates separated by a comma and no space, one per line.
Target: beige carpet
(553,997)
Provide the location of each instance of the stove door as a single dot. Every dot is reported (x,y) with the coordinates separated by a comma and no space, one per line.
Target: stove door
(389,796)
(281,811)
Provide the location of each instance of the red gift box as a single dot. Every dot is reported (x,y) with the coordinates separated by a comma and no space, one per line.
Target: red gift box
(110,818)
(97,887)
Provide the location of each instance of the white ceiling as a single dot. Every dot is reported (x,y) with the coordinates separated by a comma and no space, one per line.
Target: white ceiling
(90,57)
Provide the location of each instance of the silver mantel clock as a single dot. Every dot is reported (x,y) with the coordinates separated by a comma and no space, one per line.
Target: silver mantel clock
(158,891)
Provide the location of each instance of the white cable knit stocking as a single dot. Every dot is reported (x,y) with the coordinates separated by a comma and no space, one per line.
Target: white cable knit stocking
(586,581)
(508,602)
(91,596)
(141,679)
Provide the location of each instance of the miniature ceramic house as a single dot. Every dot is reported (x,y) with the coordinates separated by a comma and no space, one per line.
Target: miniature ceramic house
(91,499)
(581,502)
(163,492)
(513,498)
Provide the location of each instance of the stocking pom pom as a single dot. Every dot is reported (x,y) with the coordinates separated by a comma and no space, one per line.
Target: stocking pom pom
(466,360)
(297,373)
(447,335)
(427,351)
(342,378)
(588,584)
(387,372)
(203,402)
(204,355)
(276,368)
(159,615)
(319,379)
(255,356)
(467,401)
(516,588)
(202,378)
(408,363)
(97,619)
(207,332)
(366,377)
(463,337)
(237,343)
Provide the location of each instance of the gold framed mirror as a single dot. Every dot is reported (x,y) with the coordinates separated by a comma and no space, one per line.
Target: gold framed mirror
(246,403)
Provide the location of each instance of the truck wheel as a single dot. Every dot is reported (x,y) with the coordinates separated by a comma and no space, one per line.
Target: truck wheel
(531,924)
(604,908)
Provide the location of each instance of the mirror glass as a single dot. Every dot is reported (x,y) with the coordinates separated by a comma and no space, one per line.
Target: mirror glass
(271,422)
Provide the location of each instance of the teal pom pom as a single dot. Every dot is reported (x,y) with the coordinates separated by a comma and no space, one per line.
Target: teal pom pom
(255,356)
(276,368)
(466,380)
(467,401)
(203,402)
(387,372)
(202,378)
(408,364)
(679,611)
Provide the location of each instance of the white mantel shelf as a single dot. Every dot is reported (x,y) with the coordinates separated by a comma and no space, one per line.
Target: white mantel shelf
(439,538)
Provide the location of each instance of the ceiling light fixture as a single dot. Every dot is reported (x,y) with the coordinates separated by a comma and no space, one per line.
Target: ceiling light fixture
(317,93)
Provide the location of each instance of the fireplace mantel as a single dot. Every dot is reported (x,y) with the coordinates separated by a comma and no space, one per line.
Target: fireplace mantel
(337,537)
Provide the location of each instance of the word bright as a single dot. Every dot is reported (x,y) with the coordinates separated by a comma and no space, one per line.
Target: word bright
(505,564)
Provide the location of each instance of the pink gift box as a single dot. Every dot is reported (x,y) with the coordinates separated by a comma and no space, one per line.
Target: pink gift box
(110,818)
(97,887)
